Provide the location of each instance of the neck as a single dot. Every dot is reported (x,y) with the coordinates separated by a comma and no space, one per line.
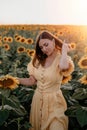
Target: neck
(53,54)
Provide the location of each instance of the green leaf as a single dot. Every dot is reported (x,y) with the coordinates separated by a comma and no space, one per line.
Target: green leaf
(19,111)
(4,114)
(81,115)
(12,101)
(5,92)
(16,112)
(80,93)
(7,107)
(71,111)
(27,125)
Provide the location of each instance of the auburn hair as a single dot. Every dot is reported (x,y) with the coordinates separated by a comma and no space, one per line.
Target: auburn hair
(39,55)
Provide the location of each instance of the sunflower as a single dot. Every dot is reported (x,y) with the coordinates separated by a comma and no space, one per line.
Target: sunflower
(60,33)
(6,46)
(10,39)
(83,62)
(9,82)
(21,49)
(5,39)
(16,35)
(18,38)
(28,50)
(32,52)
(22,40)
(56,34)
(73,45)
(83,79)
(69,70)
(22,28)
(29,41)
(66,79)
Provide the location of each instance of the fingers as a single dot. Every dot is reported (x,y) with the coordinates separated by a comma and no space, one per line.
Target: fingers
(67,45)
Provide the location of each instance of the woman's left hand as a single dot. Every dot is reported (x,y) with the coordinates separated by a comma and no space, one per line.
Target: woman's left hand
(66,48)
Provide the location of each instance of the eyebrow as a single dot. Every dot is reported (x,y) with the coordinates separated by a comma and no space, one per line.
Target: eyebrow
(43,44)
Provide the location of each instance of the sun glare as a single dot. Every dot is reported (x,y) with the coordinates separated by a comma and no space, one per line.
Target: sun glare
(69,12)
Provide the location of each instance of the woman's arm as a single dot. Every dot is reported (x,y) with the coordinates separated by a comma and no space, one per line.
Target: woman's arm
(64,61)
(27,81)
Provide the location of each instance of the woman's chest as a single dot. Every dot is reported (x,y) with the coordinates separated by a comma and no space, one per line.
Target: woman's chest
(46,74)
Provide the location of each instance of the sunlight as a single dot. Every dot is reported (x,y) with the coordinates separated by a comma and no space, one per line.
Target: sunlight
(67,12)
(80,11)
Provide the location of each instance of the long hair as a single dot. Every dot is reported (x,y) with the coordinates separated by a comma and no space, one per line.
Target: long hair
(39,55)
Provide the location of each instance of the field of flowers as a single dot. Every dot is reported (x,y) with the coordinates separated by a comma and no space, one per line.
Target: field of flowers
(17,43)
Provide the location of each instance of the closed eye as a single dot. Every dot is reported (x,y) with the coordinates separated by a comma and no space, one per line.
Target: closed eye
(46,44)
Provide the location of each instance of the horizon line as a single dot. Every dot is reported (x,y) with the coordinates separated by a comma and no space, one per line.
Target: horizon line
(46,24)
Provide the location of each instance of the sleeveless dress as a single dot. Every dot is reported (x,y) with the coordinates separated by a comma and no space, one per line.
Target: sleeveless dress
(48,103)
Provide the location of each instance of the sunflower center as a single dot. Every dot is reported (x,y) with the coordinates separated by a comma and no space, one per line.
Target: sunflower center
(84,62)
(22,40)
(7,82)
(64,77)
(21,49)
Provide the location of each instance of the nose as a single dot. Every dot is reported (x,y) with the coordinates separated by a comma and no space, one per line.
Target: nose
(44,49)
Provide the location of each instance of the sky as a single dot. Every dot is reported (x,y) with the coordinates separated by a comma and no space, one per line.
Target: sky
(59,12)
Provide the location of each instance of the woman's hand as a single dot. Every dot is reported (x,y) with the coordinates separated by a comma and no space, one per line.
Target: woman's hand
(64,61)
(66,48)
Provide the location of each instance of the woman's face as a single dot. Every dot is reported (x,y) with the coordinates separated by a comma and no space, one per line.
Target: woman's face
(47,46)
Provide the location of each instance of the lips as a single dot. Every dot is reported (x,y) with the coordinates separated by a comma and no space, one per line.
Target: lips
(45,52)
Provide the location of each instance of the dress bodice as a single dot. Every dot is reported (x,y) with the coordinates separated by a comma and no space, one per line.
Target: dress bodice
(48,79)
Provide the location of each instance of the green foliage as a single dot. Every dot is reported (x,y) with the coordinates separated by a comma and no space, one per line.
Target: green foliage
(76,96)
(4,114)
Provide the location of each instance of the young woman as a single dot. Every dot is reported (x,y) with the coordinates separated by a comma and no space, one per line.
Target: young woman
(46,70)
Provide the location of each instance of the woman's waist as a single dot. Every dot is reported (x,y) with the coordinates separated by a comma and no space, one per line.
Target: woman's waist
(48,89)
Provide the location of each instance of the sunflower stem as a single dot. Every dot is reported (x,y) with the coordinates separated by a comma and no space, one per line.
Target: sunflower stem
(18,123)
(15,68)
(2,103)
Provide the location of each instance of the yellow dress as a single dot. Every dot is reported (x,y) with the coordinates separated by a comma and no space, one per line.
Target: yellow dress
(48,104)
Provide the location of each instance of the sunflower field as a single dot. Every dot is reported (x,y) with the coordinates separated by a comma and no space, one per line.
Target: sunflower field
(17,47)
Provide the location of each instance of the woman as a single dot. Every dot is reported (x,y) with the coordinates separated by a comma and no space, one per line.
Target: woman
(46,70)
